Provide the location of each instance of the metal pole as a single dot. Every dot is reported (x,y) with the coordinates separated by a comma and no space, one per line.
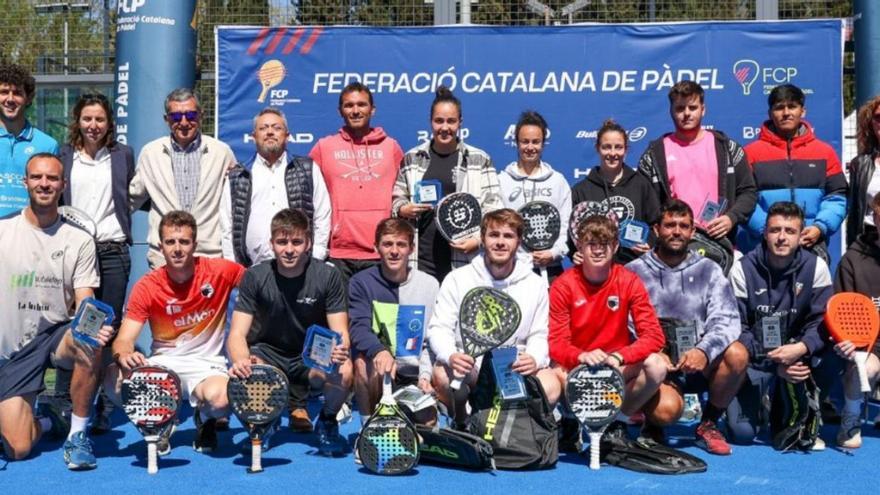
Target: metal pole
(65,63)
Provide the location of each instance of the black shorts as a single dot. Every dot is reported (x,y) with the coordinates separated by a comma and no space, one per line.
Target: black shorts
(293,367)
(23,373)
(689,383)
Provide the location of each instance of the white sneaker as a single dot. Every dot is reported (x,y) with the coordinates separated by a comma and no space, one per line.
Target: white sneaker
(849,436)
(818,446)
(344,414)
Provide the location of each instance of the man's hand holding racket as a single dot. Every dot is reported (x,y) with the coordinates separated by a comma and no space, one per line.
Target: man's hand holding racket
(462,364)
(130,360)
(597,357)
(384,363)
(465,245)
(241,368)
(542,258)
(846,350)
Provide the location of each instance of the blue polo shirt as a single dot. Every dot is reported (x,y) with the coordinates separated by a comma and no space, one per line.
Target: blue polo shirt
(14,154)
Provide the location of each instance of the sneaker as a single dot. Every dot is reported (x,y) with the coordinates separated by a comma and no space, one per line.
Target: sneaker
(653,432)
(78,453)
(818,445)
(60,425)
(344,414)
(163,445)
(247,446)
(849,436)
(570,436)
(206,434)
(710,439)
(222,424)
(299,420)
(330,442)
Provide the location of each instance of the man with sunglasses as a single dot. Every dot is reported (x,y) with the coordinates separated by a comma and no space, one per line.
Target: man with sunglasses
(19,139)
(183,171)
(590,306)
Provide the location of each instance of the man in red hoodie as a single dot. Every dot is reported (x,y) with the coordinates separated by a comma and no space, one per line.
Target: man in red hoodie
(589,308)
(359,164)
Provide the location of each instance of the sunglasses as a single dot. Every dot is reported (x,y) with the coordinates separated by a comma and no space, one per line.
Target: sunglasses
(175,117)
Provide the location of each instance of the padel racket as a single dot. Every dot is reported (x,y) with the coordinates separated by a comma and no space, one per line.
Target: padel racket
(542,227)
(458,216)
(586,209)
(257,402)
(853,316)
(151,398)
(79,218)
(595,394)
(388,443)
(487,319)
(718,250)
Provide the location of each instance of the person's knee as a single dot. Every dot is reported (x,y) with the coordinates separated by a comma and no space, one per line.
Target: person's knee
(17,447)
(736,357)
(654,368)
(665,407)
(361,371)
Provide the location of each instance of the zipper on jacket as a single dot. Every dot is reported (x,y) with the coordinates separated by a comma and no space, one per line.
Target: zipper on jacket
(790,169)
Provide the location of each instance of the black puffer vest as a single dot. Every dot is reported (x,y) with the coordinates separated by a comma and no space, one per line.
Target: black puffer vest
(297,181)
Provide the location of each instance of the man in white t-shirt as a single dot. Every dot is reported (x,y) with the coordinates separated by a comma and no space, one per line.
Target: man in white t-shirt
(48,267)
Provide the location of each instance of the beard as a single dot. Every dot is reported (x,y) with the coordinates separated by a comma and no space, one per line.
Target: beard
(667,250)
(271,149)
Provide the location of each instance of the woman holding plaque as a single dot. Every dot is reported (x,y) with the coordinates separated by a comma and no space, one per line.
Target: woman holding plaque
(614,188)
(441,166)
(97,170)
(530,179)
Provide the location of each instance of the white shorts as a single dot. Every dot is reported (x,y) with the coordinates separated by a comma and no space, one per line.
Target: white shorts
(192,370)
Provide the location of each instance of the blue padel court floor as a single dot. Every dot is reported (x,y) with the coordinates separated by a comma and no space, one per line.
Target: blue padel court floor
(292,466)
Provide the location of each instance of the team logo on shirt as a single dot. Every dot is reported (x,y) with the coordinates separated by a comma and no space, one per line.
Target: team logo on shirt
(307,300)
(580,302)
(207,290)
(613,303)
(171,308)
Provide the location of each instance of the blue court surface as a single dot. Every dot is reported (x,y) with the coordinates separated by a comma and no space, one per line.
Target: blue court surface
(292,466)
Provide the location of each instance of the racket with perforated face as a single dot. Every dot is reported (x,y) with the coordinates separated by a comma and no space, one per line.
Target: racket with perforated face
(487,318)
(151,399)
(852,316)
(258,402)
(595,395)
(458,216)
(388,443)
(79,218)
(542,225)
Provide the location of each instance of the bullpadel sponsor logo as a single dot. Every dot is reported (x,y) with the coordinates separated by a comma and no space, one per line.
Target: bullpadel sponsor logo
(634,135)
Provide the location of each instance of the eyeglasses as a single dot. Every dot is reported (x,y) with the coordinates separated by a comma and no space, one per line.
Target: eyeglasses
(176,117)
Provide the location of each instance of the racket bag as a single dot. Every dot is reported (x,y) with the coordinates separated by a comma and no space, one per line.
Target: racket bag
(647,456)
(523,433)
(448,447)
(795,416)
(718,250)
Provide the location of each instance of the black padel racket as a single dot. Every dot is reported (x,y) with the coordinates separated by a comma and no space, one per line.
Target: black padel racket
(258,402)
(151,398)
(542,227)
(458,216)
(487,318)
(388,443)
(595,394)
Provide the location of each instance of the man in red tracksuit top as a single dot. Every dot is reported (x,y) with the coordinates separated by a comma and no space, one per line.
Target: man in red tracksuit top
(359,165)
(589,308)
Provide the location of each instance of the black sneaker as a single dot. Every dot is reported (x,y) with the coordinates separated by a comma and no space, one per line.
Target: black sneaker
(206,434)
(570,436)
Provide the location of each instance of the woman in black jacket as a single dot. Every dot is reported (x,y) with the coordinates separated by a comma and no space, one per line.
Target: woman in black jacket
(614,186)
(97,171)
(864,175)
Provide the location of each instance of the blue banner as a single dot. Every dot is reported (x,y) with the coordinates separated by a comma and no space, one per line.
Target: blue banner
(576,76)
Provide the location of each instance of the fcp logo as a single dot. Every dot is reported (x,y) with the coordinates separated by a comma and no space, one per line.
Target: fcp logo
(129,6)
